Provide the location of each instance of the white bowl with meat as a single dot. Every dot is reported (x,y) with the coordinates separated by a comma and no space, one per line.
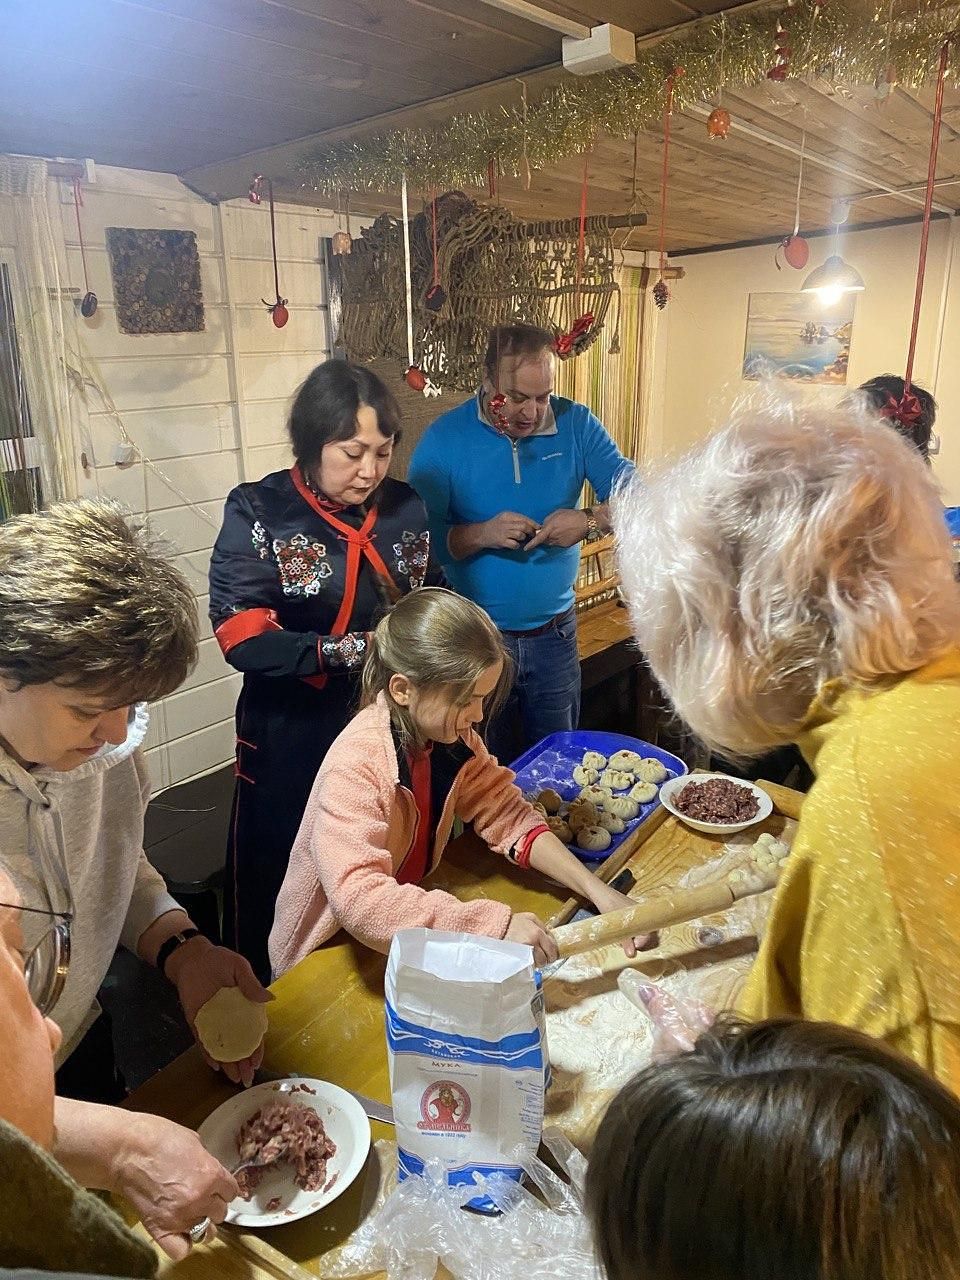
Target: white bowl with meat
(314,1137)
(715,804)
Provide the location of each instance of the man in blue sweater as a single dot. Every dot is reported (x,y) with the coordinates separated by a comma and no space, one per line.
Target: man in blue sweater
(501,477)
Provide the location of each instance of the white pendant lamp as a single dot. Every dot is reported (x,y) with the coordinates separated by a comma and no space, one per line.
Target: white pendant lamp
(834,277)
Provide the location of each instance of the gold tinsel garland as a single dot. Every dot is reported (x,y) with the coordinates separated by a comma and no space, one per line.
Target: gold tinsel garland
(848,43)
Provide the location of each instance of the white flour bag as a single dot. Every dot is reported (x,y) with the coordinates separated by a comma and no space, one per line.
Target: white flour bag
(466,1044)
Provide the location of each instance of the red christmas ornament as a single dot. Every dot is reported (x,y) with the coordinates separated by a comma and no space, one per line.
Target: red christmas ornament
(796,252)
(279,313)
(415,378)
(718,123)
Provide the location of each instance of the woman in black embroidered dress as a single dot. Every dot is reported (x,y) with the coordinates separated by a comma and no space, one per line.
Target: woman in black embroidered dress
(304,566)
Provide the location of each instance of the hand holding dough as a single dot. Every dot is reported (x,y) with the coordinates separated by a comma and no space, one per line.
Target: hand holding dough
(229,1026)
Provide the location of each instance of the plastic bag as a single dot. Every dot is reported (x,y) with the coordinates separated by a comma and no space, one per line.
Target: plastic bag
(422,1222)
(676,1022)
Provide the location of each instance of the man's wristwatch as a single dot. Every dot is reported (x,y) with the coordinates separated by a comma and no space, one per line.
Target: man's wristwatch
(593,529)
(169,947)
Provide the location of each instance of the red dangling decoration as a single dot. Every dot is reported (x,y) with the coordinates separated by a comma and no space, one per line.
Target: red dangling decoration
(495,408)
(908,407)
(278,310)
(415,378)
(661,293)
(718,123)
(88,304)
(784,52)
(573,341)
(796,252)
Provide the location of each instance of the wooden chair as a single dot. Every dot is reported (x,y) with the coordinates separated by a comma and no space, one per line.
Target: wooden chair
(603,581)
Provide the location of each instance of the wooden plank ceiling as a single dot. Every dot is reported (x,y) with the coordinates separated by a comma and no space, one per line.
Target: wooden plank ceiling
(197,86)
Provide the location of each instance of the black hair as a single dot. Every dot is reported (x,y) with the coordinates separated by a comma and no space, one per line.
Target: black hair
(515,340)
(786,1149)
(886,386)
(326,405)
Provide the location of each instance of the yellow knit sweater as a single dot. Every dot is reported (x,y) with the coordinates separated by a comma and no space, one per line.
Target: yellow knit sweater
(865,925)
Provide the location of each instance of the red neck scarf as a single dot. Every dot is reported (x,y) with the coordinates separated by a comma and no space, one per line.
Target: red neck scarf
(359,544)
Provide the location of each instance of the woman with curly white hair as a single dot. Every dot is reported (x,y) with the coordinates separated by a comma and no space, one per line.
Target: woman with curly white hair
(790,580)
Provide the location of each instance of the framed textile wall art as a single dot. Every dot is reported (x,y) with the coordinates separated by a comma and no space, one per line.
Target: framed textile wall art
(156,280)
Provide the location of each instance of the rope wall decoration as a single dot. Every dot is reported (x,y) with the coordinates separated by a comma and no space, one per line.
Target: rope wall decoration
(472,266)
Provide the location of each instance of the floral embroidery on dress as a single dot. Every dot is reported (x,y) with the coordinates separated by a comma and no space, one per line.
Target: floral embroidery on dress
(302,565)
(413,556)
(346,651)
(259,535)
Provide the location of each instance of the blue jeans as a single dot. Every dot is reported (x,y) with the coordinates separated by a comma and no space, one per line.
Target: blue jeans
(545,696)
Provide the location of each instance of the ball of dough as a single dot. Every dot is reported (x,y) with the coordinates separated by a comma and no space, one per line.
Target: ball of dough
(616,779)
(610,822)
(593,760)
(765,839)
(643,792)
(550,799)
(229,1026)
(765,860)
(623,807)
(585,776)
(778,849)
(596,795)
(628,760)
(560,829)
(737,876)
(593,838)
(651,770)
(582,813)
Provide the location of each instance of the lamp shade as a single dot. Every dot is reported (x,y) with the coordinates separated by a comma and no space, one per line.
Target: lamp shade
(834,276)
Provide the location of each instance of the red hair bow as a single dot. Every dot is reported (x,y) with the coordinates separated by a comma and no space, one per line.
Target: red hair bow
(907,410)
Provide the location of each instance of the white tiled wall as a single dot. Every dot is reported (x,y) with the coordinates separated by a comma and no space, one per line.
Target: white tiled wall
(208,409)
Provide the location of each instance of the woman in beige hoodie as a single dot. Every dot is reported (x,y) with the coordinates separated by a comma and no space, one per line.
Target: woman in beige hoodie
(383,805)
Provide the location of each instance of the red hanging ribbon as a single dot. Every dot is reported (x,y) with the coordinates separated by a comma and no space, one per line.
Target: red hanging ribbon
(582,241)
(660,292)
(278,309)
(907,410)
(908,400)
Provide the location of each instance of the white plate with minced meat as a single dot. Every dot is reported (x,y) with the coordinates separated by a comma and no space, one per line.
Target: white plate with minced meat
(314,1135)
(714,803)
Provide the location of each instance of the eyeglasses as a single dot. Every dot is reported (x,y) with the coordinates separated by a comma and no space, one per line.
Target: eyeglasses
(46,952)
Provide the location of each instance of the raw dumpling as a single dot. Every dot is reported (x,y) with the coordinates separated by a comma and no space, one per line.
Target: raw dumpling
(610,822)
(582,813)
(596,795)
(622,806)
(593,760)
(628,760)
(550,799)
(560,829)
(651,770)
(616,779)
(585,776)
(593,838)
(643,792)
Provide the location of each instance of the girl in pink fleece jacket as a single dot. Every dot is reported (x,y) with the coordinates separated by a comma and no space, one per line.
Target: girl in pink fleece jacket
(385,799)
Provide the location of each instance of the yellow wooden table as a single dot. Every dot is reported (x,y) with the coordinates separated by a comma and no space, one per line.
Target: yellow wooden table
(327,1019)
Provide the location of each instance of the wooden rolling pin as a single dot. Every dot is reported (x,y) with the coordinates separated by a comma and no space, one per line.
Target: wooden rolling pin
(659,911)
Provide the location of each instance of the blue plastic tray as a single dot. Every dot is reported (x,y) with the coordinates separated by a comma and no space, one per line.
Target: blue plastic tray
(551,763)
